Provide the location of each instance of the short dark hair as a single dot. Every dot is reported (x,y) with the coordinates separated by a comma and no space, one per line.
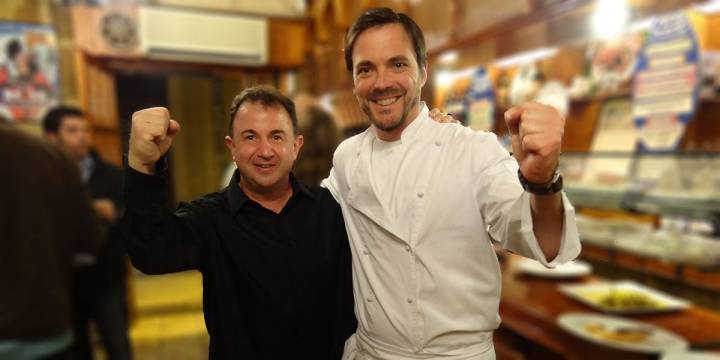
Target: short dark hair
(383,16)
(266,96)
(13,48)
(54,117)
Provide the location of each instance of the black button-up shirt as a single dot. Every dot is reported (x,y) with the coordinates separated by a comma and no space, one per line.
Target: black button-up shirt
(275,286)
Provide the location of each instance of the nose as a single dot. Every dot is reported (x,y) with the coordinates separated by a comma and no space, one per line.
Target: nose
(382,80)
(265,151)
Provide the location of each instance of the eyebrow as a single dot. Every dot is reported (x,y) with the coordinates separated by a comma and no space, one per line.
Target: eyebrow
(253,132)
(391,60)
(363,64)
(399,58)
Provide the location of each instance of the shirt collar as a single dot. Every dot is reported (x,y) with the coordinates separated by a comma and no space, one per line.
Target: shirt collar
(411,131)
(87,165)
(237,198)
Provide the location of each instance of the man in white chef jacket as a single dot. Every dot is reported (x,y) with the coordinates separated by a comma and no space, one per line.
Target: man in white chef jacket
(422,200)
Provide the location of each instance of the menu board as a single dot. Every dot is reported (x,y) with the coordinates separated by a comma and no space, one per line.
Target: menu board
(665,86)
(614,134)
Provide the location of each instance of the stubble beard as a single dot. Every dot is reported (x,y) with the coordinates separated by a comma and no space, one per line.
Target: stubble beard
(393,125)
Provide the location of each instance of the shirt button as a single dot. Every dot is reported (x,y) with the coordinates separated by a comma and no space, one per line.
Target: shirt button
(407,248)
(420,195)
(369,299)
(410,300)
(365,252)
(438,143)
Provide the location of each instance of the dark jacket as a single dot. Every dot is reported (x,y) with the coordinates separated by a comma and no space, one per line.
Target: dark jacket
(45,218)
(109,270)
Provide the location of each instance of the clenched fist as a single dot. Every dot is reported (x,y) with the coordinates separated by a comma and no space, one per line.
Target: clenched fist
(536,132)
(150,138)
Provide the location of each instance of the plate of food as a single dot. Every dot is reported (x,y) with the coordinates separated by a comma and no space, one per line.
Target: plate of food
(621,333)
(623,297)
(570,269)
(690,355)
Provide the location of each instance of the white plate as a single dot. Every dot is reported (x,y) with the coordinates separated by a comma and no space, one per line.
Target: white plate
(590,294)
(657,341)
(568,270)
(690,355)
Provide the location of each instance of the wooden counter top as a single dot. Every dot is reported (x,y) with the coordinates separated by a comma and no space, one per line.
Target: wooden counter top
(529,307)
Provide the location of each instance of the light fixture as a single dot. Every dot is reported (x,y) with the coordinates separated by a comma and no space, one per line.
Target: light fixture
(448,57)
(446,77)
(708,7)
(525,57)
(610,18)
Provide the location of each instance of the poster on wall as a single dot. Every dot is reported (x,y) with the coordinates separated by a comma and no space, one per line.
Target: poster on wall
(665,88)
(28,70)
(455,102)
(481,100)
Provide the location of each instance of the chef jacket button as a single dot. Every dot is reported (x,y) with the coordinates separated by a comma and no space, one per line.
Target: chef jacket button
(410,300)
(438,143)
(420,194)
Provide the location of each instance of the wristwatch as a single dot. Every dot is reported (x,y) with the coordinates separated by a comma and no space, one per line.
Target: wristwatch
(552,187)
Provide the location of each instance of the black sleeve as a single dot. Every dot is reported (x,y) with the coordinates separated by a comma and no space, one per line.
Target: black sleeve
(346,322)
(157,240)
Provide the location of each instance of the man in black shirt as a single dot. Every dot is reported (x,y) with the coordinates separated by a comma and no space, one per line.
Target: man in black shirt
(273,253)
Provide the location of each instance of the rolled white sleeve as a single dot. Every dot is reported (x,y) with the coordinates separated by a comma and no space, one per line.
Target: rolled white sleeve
(330,183)
(526,243)
(505,207)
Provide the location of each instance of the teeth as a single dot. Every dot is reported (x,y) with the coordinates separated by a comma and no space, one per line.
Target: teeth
(386,102)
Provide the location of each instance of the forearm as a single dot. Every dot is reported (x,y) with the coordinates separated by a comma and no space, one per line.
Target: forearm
(157,241)
(547,214)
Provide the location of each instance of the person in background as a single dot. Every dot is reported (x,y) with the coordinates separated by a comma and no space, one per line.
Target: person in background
(422,202)
(321,138)
(99,292)
(273,252)
(45,221)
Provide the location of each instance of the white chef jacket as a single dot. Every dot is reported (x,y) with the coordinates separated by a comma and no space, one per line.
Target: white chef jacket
(426,278)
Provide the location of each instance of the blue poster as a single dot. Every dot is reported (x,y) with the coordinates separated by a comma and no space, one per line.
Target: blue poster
(665,87)
(480,102)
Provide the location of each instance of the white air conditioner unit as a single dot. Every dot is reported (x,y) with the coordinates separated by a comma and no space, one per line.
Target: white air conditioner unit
(170,34)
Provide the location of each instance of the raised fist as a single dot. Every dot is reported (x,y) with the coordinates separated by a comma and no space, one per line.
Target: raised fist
(150,138)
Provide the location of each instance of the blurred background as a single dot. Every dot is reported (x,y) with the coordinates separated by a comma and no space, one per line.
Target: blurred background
(638,82)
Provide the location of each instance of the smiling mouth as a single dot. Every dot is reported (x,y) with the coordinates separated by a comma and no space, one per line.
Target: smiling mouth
(386,101)
(264,166)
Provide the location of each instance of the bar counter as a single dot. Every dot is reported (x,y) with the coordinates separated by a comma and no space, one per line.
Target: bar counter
(530,306)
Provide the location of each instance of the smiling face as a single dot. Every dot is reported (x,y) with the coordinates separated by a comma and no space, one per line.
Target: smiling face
(264,147)
(387,78)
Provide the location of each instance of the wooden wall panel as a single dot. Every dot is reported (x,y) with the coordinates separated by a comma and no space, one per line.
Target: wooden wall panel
(703,132)
(435,19)
(580,125)
(99,100)
(34,11)
(288,43)
(194,157)
(476,15)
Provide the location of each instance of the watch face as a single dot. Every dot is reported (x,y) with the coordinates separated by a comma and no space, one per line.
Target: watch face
(119,30)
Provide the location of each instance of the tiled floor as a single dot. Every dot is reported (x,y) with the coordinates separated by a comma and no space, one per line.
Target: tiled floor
(170,322)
